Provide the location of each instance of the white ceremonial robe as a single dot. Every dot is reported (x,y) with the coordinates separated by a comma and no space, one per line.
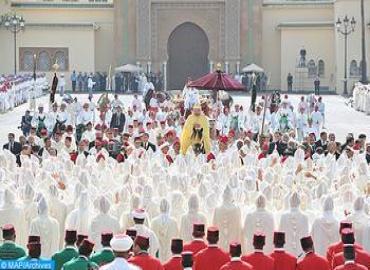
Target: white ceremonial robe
(360,223)
(119,264)
(11,214)
(227,218)
(166,229)
(324,232)
(48,229)
(58,210)
(153,239)
(102,222)
(295,225)
(260,220)
(186,226)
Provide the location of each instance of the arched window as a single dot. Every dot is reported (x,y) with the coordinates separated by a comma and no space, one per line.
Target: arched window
(311,68)
(353,69)
(27,61)
(60,58)
(321,68)
(44,61)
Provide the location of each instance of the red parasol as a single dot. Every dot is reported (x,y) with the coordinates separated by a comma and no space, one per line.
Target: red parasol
(217,80)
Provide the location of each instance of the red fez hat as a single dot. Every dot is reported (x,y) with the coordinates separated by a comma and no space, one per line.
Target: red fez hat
(69,128)
(279,238)
(87,245)
(210,157)
(198,230)
(33,246)
(34,238)
(70,236)
(235,249)
(142,242)
(177,246)
(223,139)
(187,259)
(348,236)
(306,242)
(106,236)
(8,229)
(345,224)
(213,232)
(80,238)
(259,238)
(132,233)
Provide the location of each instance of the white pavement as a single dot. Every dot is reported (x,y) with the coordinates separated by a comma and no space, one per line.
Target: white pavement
(340,118)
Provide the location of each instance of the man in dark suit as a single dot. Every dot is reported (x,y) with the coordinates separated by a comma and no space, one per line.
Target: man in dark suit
(323,141)
(146,144)
(12,145)
(118,119)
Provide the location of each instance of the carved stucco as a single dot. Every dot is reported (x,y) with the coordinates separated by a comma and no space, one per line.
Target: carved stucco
(156,19)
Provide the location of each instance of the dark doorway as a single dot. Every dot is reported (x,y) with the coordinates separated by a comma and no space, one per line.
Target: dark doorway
(188,49)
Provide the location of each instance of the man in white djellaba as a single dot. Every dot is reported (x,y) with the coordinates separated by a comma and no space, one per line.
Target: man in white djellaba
(47,228)
(165,227)
(78,219)
(360,220)
(193,216)
(259,220)
(10,213)
(325,228)
(103,221)
(295,224)
(227,218)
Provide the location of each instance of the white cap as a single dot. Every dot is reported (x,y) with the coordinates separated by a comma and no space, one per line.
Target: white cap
(121,243)
(139,214)
(166,144)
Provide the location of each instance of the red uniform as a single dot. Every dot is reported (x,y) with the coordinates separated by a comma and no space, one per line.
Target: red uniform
(236,264)
(195,246)
(361,257)
(145,261)
(259,261)
(336,248)
(351,266)
(283,260)
(313,261)
(211,258)
(175,263)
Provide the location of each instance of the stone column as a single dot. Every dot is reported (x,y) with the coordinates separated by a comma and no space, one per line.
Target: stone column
(149,67)
(238,67)
(165,76)
(210,66)
(226,67)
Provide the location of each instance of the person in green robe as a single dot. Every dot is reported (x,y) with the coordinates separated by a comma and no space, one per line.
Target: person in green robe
(82,261)
(68,252)
(105,255)
(9,250)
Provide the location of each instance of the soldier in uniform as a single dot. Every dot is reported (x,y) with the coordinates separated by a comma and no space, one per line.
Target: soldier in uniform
(142,257)
(282,259)
(105,255)
(236,263)
(34,248)
(311,260)
(69,252)
(258,259)
(175,263)
(197,244)
(82,262)
(9,250)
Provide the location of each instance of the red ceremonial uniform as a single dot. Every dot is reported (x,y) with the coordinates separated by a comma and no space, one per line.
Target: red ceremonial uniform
(145,261)
(175,263)
(361,257)
(313,261)
(337,248)
(283,260)
(236,264)
(211,258)
(259,261)
(195,246)
(351,266)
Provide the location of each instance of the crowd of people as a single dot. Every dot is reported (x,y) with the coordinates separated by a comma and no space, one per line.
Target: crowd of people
(185,183)
(361,98)
(16,90)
